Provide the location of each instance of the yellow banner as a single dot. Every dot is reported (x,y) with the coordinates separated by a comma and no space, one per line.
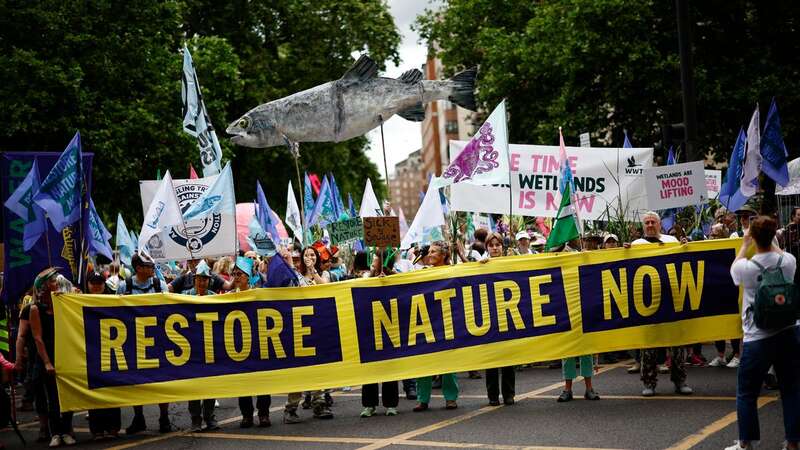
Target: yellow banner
(118,351)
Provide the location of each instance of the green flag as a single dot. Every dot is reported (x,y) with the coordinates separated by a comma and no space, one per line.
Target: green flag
(566,227)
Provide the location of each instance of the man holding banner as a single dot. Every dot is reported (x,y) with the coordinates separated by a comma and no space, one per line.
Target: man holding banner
(651,223)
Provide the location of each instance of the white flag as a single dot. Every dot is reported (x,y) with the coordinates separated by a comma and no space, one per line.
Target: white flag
(484,160)
(427,225)
(196,121)
(752,157)
(218,198)
(403,224)
(293,214)
(163,212)
(369,202)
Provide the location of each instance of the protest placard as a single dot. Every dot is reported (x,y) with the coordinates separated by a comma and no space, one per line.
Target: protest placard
(345,231)
(676,185)
(605,178)
(382,231)
(713,183)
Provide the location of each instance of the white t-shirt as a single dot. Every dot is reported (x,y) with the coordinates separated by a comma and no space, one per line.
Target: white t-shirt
(745,273)
(664,238)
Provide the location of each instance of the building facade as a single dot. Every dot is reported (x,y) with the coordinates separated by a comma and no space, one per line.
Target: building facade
(406,182)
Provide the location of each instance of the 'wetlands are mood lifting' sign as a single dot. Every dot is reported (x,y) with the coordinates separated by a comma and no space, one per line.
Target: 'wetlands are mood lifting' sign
(116,351)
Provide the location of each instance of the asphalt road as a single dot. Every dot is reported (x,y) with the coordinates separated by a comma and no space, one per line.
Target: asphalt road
(622,419)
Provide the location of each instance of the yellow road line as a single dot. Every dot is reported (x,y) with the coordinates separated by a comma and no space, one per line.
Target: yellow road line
(454,420)
(705,432)
(639,397)
(488,446)
(357,440)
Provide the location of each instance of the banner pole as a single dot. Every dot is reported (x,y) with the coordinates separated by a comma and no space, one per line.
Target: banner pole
(47,239)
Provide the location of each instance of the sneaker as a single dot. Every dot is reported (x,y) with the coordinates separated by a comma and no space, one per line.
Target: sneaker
(328,399)
(211,424)
(648,392)
(264,422)
(695,361)
(391,411)
(717,362)
(291,417)
(411,393)
(347,389)
(683,389)
(164,425)
(197,425)
(733,363)
(138,424)
(566,396)
(368,411)
(494,402)
(450,404)
(247,422)
(322,412)
(420,407)
(591,395)
(508,401)
(737,446)
(55,441)
(306,402)
(635,368)
(67,439)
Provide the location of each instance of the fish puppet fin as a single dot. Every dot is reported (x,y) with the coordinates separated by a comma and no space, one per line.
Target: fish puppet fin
(415,114)
(364,69)
(463,93)
(411,76)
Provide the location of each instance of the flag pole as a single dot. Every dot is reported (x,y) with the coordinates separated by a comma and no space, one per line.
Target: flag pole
(385,166)
(47,240)
(508,160)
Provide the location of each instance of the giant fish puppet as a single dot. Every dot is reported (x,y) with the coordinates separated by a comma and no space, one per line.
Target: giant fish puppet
(348,107)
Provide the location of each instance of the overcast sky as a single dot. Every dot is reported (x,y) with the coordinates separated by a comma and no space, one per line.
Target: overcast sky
(402,137)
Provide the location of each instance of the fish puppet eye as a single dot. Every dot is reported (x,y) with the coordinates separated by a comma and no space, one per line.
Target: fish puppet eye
(244,123)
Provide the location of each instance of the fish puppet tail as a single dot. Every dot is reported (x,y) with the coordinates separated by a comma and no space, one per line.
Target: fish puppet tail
(463,93)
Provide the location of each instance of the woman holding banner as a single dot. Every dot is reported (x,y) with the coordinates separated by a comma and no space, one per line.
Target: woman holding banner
(44,334)
(242,271)
(494,247)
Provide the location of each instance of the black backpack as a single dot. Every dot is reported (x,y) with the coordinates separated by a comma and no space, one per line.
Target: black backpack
(155,283)
(776,303)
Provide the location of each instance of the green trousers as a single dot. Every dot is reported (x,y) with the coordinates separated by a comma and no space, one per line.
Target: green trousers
(568,367)
(449,388)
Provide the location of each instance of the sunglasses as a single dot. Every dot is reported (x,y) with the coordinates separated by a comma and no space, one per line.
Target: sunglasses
(239,273)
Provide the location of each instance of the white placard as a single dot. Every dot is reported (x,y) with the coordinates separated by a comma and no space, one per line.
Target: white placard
(676,186)
(209,237)
(713,182)
(534,182)
(585,140)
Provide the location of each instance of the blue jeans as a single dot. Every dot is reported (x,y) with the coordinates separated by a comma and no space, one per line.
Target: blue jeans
(783,352)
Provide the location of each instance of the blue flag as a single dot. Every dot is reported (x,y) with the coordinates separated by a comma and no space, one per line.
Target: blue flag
(218,198)
(97,234)
(730,194)
(626,143)
(279,274)
(258,239)
(671,156)
(61,192)
(337,197)
(264,213)
(323,212)
(21,203)
(308,199)
(351,206)
(125,245)
(773,150)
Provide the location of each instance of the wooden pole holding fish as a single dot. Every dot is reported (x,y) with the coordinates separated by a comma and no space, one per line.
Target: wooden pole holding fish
(294,149)
(385,166)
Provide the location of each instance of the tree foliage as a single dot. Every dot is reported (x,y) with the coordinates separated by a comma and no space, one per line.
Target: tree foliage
(112,70)
(608,65)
